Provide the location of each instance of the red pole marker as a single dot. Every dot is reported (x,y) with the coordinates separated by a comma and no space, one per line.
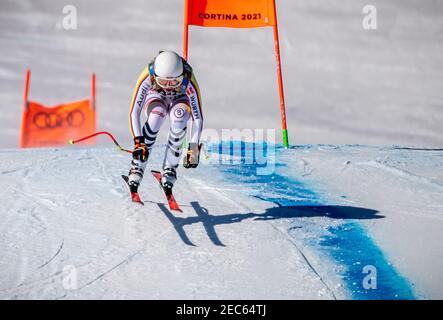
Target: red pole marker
(24,107)
(93,99)
(186,31)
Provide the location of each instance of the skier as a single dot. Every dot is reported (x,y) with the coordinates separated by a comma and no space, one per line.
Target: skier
(167,86)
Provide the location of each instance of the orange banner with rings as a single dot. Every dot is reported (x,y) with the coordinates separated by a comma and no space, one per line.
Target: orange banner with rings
(54,126)
(231,13)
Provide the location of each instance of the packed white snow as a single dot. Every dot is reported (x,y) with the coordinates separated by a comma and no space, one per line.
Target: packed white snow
(69,230)
(66,213)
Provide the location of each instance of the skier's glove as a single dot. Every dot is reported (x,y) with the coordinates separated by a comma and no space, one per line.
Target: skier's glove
(192,156)
(140,149)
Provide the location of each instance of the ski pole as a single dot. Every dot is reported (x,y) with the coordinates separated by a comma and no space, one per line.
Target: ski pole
(71,141)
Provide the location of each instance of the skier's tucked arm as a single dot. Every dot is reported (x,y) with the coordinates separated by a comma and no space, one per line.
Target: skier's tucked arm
(193,153)
(138,101)
(194,96)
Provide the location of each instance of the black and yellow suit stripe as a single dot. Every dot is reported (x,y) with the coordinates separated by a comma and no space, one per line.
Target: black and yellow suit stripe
(197,88)
(145,74)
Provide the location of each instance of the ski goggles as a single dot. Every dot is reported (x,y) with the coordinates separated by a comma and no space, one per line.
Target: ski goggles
(169,83)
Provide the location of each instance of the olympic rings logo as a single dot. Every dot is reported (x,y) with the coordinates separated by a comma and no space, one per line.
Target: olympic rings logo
(51,120)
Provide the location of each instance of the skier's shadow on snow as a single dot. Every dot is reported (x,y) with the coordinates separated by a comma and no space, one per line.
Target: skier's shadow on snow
(280,212)
(202,217)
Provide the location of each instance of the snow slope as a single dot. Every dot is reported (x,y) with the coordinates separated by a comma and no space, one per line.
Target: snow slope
(302,231)
(404,184)
(64,208)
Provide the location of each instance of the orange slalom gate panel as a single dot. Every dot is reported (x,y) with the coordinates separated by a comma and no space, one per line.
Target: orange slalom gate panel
(54,126)
(231,13)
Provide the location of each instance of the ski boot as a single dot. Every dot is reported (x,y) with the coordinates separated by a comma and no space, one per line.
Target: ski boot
(135,175)
(169,177)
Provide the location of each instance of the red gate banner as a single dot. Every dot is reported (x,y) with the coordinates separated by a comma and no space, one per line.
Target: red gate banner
(231,13)
(53,126)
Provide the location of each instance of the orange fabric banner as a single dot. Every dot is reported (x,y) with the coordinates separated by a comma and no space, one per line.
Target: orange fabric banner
(53,126)
(231,13)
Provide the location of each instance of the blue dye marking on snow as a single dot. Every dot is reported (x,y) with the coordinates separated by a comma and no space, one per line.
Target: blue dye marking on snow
(347,244)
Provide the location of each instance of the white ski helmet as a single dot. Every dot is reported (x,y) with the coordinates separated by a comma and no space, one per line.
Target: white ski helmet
(168,69)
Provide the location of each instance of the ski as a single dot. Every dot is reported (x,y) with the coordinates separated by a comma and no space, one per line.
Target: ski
(173,205)
(135,197)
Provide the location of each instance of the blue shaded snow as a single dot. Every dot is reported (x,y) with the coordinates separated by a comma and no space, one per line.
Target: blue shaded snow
(346,244)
